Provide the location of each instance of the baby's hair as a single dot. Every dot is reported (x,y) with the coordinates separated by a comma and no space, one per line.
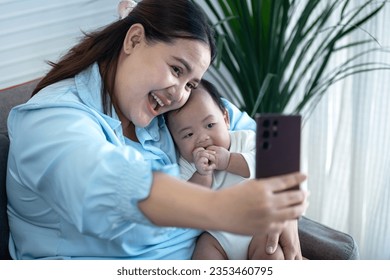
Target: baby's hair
(214,93)
(210,89)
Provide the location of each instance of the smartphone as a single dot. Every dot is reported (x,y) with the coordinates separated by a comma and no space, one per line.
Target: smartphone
(278,145)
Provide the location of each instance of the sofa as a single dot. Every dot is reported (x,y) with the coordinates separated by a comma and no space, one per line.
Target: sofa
(9,98)
(317,241)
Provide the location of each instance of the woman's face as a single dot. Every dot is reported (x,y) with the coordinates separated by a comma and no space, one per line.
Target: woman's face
(155,78)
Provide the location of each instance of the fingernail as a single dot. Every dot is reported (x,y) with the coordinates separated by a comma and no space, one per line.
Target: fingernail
(270,250)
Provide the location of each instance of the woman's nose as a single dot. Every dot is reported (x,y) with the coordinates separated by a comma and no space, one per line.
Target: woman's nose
(177,94)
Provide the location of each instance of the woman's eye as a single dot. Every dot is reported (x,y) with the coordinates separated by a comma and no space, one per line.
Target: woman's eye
(191,86)
(176,70)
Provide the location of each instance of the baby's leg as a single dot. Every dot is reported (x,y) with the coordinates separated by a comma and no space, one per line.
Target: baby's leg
(208,248)
(257,249)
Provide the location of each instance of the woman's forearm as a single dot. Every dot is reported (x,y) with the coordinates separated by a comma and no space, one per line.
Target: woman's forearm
(251,207)
(202,180)
(173,202)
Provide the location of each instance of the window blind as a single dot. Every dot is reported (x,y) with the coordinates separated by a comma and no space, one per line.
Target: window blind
(35,31)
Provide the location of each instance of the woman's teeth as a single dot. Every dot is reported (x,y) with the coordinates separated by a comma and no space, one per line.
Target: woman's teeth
(159,101)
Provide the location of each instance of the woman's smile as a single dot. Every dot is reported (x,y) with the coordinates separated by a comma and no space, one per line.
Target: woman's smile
(159,101)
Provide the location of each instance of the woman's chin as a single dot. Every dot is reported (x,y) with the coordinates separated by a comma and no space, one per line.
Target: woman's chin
(143,123)
(145,119)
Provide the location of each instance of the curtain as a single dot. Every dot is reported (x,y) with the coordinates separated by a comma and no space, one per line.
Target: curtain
(346,152)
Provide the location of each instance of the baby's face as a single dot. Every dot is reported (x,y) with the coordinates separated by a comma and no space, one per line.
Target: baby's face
(199,123)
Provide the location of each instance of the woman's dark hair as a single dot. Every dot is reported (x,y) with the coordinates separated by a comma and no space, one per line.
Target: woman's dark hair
(163,21)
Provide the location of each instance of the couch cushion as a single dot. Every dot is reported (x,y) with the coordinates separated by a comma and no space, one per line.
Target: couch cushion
(4,228)
(11,97)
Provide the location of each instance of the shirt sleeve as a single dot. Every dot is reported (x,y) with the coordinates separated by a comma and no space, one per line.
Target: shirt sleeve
(64,156)
(186,169)
(239,120)
(245,143)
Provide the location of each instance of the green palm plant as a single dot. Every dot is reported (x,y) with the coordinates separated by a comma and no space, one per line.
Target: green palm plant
(276,51)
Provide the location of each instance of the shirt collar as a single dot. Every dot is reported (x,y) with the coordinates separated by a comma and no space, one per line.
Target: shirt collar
(89,87)
(152,131)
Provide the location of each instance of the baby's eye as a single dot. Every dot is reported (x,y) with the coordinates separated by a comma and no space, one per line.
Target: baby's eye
(188,135)
(210,125)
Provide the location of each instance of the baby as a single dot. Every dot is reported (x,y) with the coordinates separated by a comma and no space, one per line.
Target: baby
(214,157)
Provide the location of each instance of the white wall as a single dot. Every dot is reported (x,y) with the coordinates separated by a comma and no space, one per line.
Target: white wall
(35,31)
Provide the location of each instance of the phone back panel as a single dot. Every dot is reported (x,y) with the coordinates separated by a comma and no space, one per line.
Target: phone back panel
(278,141)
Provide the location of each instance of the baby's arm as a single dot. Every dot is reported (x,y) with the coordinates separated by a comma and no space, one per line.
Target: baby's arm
(238,165)
(231,162)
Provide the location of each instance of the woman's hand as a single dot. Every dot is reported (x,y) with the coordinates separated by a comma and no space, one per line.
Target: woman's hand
(288,240)
(259,206)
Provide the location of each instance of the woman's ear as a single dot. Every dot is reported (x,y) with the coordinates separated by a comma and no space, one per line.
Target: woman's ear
(226,118)
(134,36)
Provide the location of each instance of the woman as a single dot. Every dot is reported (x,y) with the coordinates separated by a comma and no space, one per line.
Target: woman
(92,165)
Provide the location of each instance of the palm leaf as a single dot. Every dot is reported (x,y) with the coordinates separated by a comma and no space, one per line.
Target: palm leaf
(274,51)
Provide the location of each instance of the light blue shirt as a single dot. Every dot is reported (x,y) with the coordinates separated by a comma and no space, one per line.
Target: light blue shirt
(74,181)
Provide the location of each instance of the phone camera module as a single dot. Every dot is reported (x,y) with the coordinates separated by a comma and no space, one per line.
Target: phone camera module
(266,145)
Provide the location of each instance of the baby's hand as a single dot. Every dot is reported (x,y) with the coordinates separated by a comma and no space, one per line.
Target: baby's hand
(221,157)
(204,161)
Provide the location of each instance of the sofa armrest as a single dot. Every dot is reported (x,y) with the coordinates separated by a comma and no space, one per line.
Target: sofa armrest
(319,242)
